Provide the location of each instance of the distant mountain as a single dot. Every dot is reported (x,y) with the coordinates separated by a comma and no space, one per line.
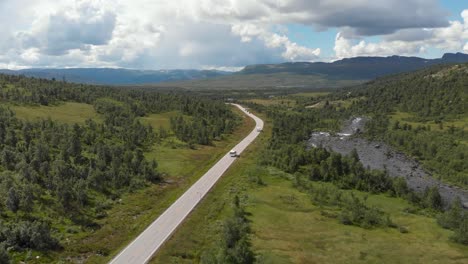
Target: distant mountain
(294,74)
(357,68)
(116,76)
(316,75)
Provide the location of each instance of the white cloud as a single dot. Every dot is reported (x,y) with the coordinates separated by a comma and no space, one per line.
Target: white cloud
(345,48)
(219,33)
(291,50)
(406,41)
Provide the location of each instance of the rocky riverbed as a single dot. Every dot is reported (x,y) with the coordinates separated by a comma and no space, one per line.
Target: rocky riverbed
(378,155)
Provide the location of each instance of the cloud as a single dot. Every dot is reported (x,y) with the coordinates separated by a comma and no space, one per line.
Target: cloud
(77,27)
(407,41)
(292,51)
(345,48)
(363,17)
(212,33)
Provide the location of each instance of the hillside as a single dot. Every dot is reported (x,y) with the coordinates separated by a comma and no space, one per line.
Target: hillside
(109,76)
(306,75)
(422,114)
(357,68)
(436,93)
(260,81)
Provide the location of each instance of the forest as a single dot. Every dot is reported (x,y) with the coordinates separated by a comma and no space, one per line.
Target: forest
(50,169)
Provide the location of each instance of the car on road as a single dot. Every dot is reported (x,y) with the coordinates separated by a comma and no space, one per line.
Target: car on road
(233,153)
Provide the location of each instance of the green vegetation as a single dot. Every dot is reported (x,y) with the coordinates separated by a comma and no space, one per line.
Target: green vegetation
(411,119)
(181,165)
(273,101)
(235,246)
(286,227)
(161,120)
(63,179)
(68,112)
(72,187)
(422,114)
(311,94)
(278,81)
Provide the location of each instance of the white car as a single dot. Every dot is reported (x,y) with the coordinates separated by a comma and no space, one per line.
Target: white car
(233,153)
(259,129)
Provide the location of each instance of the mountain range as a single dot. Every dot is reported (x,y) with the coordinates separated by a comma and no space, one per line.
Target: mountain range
(357,68)
(291,74)
(116,76)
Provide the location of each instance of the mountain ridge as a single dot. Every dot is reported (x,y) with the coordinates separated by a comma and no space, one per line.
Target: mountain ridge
(115,76)
(357,67)
(347,69)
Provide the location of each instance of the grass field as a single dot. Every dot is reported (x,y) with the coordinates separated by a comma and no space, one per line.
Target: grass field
(159,120)
(273,101)
(67,112)
(281,80)
(310,94)
(337,103)
(288,228)
(132,214)
(408,118)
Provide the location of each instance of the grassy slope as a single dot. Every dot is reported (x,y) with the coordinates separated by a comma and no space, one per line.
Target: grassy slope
(159,120)
(126,219)
(405,117)
(288,228)
(261,81)
(311,94)
(68,112)
(273,101)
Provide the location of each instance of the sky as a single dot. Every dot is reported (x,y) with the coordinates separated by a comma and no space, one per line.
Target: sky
(223,34)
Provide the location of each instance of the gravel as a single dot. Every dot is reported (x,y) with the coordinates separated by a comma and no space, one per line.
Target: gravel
(378,155)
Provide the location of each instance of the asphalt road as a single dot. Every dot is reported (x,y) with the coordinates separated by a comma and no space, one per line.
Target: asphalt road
(147,243)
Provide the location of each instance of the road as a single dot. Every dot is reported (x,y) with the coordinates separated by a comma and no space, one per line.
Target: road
(147,243)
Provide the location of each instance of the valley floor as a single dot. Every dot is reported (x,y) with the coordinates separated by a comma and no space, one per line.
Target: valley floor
(288,228)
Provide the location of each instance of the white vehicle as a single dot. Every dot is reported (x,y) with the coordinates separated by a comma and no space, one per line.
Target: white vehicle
(233,153)
(259,129)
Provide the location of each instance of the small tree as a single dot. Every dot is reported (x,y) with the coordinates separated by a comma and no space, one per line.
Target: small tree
(432,199)
(461,233)
(13,200)
(453,217)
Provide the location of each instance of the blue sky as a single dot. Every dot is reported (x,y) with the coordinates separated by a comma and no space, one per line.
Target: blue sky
(223,34)
(455,7)
(309,37)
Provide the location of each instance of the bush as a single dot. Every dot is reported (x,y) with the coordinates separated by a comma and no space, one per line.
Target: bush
(4,257)
(25,234)
(461,233)
(355,212)
(432,199)
(403,229)
(452,218)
